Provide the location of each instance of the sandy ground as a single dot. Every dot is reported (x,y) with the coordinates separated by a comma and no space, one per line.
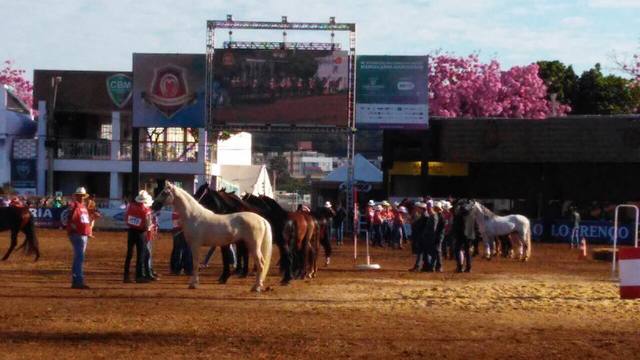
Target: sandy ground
(554,306)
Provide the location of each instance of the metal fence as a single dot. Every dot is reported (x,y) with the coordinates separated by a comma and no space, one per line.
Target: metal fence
(83,149)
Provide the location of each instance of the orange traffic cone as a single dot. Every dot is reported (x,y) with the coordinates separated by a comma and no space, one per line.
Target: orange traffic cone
(583,249)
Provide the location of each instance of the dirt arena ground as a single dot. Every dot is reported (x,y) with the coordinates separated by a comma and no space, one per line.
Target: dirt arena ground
(554,306)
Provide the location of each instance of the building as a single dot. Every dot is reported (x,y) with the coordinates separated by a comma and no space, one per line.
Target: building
(312,164)
(528,162)
(91,138)
(17,149)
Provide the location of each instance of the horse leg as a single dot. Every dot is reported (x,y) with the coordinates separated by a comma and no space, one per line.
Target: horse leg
(227,259)
(195,253)
(12,245)
(259,260)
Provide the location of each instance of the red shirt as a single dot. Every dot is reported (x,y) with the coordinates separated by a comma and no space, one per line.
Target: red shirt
(138,216)
(377,218)
(79,222)
(398,219)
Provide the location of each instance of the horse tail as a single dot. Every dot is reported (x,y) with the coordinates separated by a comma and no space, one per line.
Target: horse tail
(266,249)
(30,243)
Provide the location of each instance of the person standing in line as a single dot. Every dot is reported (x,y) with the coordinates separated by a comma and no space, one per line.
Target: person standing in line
(151,235)
(377,226)
(79,229)
(447,243)
(429,240)
(341,215)
(417,228)
(181,258)
(138,219)
(94,213)
(575,230)
(398,226)
(463,230)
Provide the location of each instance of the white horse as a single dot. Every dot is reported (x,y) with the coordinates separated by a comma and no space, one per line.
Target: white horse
(203,227)
(492,225)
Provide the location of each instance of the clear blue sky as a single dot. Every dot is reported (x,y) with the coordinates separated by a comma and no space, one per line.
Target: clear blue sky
(102,34)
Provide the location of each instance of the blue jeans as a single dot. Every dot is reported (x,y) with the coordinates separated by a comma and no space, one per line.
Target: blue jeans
(575,236)
(340,233)
(79,244)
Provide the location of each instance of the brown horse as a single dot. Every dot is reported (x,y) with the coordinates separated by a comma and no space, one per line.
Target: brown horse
(19,219)
(300,232)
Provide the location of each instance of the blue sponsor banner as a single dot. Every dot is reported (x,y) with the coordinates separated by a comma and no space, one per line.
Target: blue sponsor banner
(168,90)
(596,232)
(47,217)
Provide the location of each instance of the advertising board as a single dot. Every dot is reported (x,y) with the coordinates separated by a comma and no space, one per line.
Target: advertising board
(168,90)
(392,92)
(285,87)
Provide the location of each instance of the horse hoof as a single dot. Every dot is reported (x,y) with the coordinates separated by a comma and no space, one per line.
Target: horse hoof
(256,289)
(193,286)
(223,280)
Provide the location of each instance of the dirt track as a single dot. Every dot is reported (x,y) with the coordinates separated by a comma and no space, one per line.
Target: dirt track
(557,308)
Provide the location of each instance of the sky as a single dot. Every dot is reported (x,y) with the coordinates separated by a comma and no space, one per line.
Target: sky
(102,34)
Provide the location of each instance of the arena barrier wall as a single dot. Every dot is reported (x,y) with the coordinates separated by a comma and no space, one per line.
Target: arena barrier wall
(595,231)
(112,218)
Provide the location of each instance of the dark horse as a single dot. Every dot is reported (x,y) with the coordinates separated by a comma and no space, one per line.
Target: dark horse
(19,219)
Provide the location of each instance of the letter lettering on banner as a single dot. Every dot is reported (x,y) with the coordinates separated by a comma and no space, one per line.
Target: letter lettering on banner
(623,233)
(563,231)
(603,232)
(537,229)
(34,212)
(47,214)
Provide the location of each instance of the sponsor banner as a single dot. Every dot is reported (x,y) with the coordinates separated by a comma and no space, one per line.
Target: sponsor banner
(168,90)
(23,173)
(120,89)
(392,92)
(112,218)
(596,232)
(283,87)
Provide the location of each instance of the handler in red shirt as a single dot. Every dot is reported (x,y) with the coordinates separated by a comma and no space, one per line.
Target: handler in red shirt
(79,230)
(138,219)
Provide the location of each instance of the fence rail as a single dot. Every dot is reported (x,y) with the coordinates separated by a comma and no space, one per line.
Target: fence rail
(83,149)
(149,151)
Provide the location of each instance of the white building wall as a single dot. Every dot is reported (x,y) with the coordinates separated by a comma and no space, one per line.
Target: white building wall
(236,150)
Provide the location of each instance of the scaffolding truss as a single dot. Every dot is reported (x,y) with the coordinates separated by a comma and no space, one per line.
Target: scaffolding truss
(285,25)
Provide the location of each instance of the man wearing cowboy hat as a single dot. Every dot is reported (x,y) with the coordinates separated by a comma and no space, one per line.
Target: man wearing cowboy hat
(79,229)
(138,219)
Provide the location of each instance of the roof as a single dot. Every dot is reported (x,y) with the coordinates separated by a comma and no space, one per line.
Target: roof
(363,171)
(246,176)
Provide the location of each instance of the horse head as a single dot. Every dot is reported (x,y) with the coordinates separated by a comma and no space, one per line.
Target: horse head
(165,197)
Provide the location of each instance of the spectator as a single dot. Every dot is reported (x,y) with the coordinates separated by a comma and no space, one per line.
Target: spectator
(78,228)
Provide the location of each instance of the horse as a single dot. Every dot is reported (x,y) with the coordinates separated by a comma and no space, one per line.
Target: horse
(279,220)
(20,219)
(203,227)
(213,201)
(492,225)
(300,232)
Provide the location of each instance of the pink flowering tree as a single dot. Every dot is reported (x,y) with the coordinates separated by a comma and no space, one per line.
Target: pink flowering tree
(633,68)
(15,78)
(465,87)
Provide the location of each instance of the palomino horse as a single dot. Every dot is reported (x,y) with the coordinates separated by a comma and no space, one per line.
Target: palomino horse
(19,219)
(492,225)
(203,227)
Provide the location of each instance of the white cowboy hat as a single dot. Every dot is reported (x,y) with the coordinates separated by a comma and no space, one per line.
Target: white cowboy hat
(371,203)
(446,205)
(144,198)
(379,207)
(420,204)
(395,203)
(402,209)
(429,203)
(385,203)
(327,204)
(437,205)
(81,191)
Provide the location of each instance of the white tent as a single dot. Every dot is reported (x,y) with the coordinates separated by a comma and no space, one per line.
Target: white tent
(363,171)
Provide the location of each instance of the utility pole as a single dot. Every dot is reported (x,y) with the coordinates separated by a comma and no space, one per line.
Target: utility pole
(51,141)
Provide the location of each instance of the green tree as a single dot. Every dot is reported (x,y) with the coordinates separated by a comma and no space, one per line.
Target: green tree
(560,79)
(280,166)
(605,95)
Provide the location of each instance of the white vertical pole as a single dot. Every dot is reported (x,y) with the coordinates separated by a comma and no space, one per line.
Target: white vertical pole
(41,164)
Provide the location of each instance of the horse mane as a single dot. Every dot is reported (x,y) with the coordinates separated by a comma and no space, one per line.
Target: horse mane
(273,204)
(486,211)
(188,199)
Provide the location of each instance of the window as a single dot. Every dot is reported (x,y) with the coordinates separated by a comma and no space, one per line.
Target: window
(14,103)
(106,132)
